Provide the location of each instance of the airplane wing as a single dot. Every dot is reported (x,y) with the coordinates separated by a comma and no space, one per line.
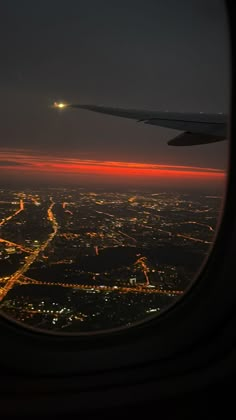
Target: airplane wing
(196,128)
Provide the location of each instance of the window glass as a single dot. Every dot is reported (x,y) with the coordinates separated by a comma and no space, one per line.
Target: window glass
(104,224)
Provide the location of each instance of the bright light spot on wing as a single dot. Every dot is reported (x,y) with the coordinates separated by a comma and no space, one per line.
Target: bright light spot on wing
(60,105)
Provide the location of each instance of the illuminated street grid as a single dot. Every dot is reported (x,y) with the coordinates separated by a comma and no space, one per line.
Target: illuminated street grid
(72,260)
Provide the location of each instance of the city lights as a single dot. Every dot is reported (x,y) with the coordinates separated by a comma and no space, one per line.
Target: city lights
(79,260)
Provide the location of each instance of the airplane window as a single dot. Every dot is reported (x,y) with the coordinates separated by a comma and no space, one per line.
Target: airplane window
(113,157)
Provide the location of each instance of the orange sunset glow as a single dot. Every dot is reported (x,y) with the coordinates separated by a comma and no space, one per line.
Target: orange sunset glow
(27,164)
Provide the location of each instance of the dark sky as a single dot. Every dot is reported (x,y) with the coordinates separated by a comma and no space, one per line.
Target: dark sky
(144,54)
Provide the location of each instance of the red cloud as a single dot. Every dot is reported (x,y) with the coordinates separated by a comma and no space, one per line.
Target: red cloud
(44,164)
